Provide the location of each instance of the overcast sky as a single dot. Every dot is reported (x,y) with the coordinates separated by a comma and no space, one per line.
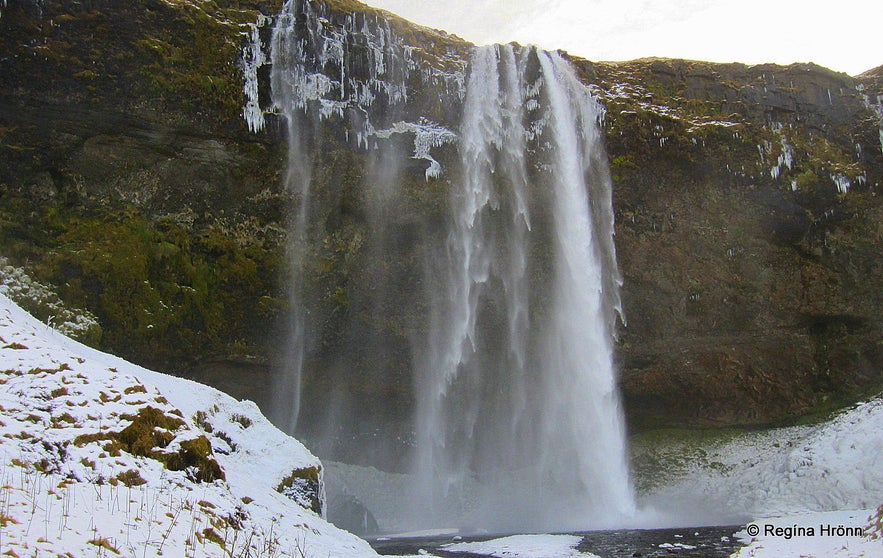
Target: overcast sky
(844,35)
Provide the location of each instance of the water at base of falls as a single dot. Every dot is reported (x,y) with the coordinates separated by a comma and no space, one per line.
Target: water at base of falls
(704,542)
(517,423)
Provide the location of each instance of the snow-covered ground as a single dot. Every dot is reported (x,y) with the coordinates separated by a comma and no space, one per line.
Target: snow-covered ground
(816,535)
(834,465)
(69,484)
(800,477)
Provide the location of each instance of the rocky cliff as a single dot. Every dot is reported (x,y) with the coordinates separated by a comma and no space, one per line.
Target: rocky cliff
(142,167)
(748,232)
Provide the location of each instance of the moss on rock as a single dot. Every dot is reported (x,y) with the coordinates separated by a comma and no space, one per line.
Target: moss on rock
(196,454)
(304,486)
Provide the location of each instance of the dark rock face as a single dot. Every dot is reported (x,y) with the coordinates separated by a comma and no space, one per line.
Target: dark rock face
(347,512)
(748,271)
(746,198)
(128,178)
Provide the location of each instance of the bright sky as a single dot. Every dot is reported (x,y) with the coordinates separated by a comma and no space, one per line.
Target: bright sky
(844,35)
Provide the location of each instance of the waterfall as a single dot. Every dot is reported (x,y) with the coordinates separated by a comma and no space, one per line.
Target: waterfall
(288,79)
(314,78)
(452,381)
(517,423)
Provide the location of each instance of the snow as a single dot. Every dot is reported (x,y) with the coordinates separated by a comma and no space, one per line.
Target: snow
(836,465)
(524,546)
(16,284)
(818,544)
(676,546)
(63,488)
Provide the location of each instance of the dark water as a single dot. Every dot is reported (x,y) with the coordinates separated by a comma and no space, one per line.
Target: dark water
(706,542)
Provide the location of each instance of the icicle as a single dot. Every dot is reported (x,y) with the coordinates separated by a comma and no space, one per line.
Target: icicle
(843,184)
(307,50)
(426,136)
(253,58)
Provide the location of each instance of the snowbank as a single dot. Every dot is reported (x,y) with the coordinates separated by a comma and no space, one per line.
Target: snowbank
(99,456)
(814,535)
(835,465)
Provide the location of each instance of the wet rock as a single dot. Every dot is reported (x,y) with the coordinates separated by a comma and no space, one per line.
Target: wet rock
(347,512)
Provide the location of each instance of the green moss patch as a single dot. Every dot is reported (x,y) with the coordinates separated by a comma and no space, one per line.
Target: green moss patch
(196,454)
(148,434)
(150,429)
(304,487)
(162,294)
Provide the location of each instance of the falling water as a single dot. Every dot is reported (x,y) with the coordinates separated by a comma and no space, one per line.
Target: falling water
(287,83)
(517,421)
(312,80)
(518,418)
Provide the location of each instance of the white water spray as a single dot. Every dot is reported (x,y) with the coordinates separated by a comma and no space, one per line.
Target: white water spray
(519,425)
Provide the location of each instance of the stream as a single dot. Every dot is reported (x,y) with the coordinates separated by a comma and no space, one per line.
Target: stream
(705,542)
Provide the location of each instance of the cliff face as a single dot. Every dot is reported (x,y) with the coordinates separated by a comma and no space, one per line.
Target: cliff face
(747,214)
(128,178)
(747,223)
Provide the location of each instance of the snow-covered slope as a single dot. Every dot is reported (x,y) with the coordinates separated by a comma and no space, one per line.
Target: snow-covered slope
(835,465)
(102,457)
